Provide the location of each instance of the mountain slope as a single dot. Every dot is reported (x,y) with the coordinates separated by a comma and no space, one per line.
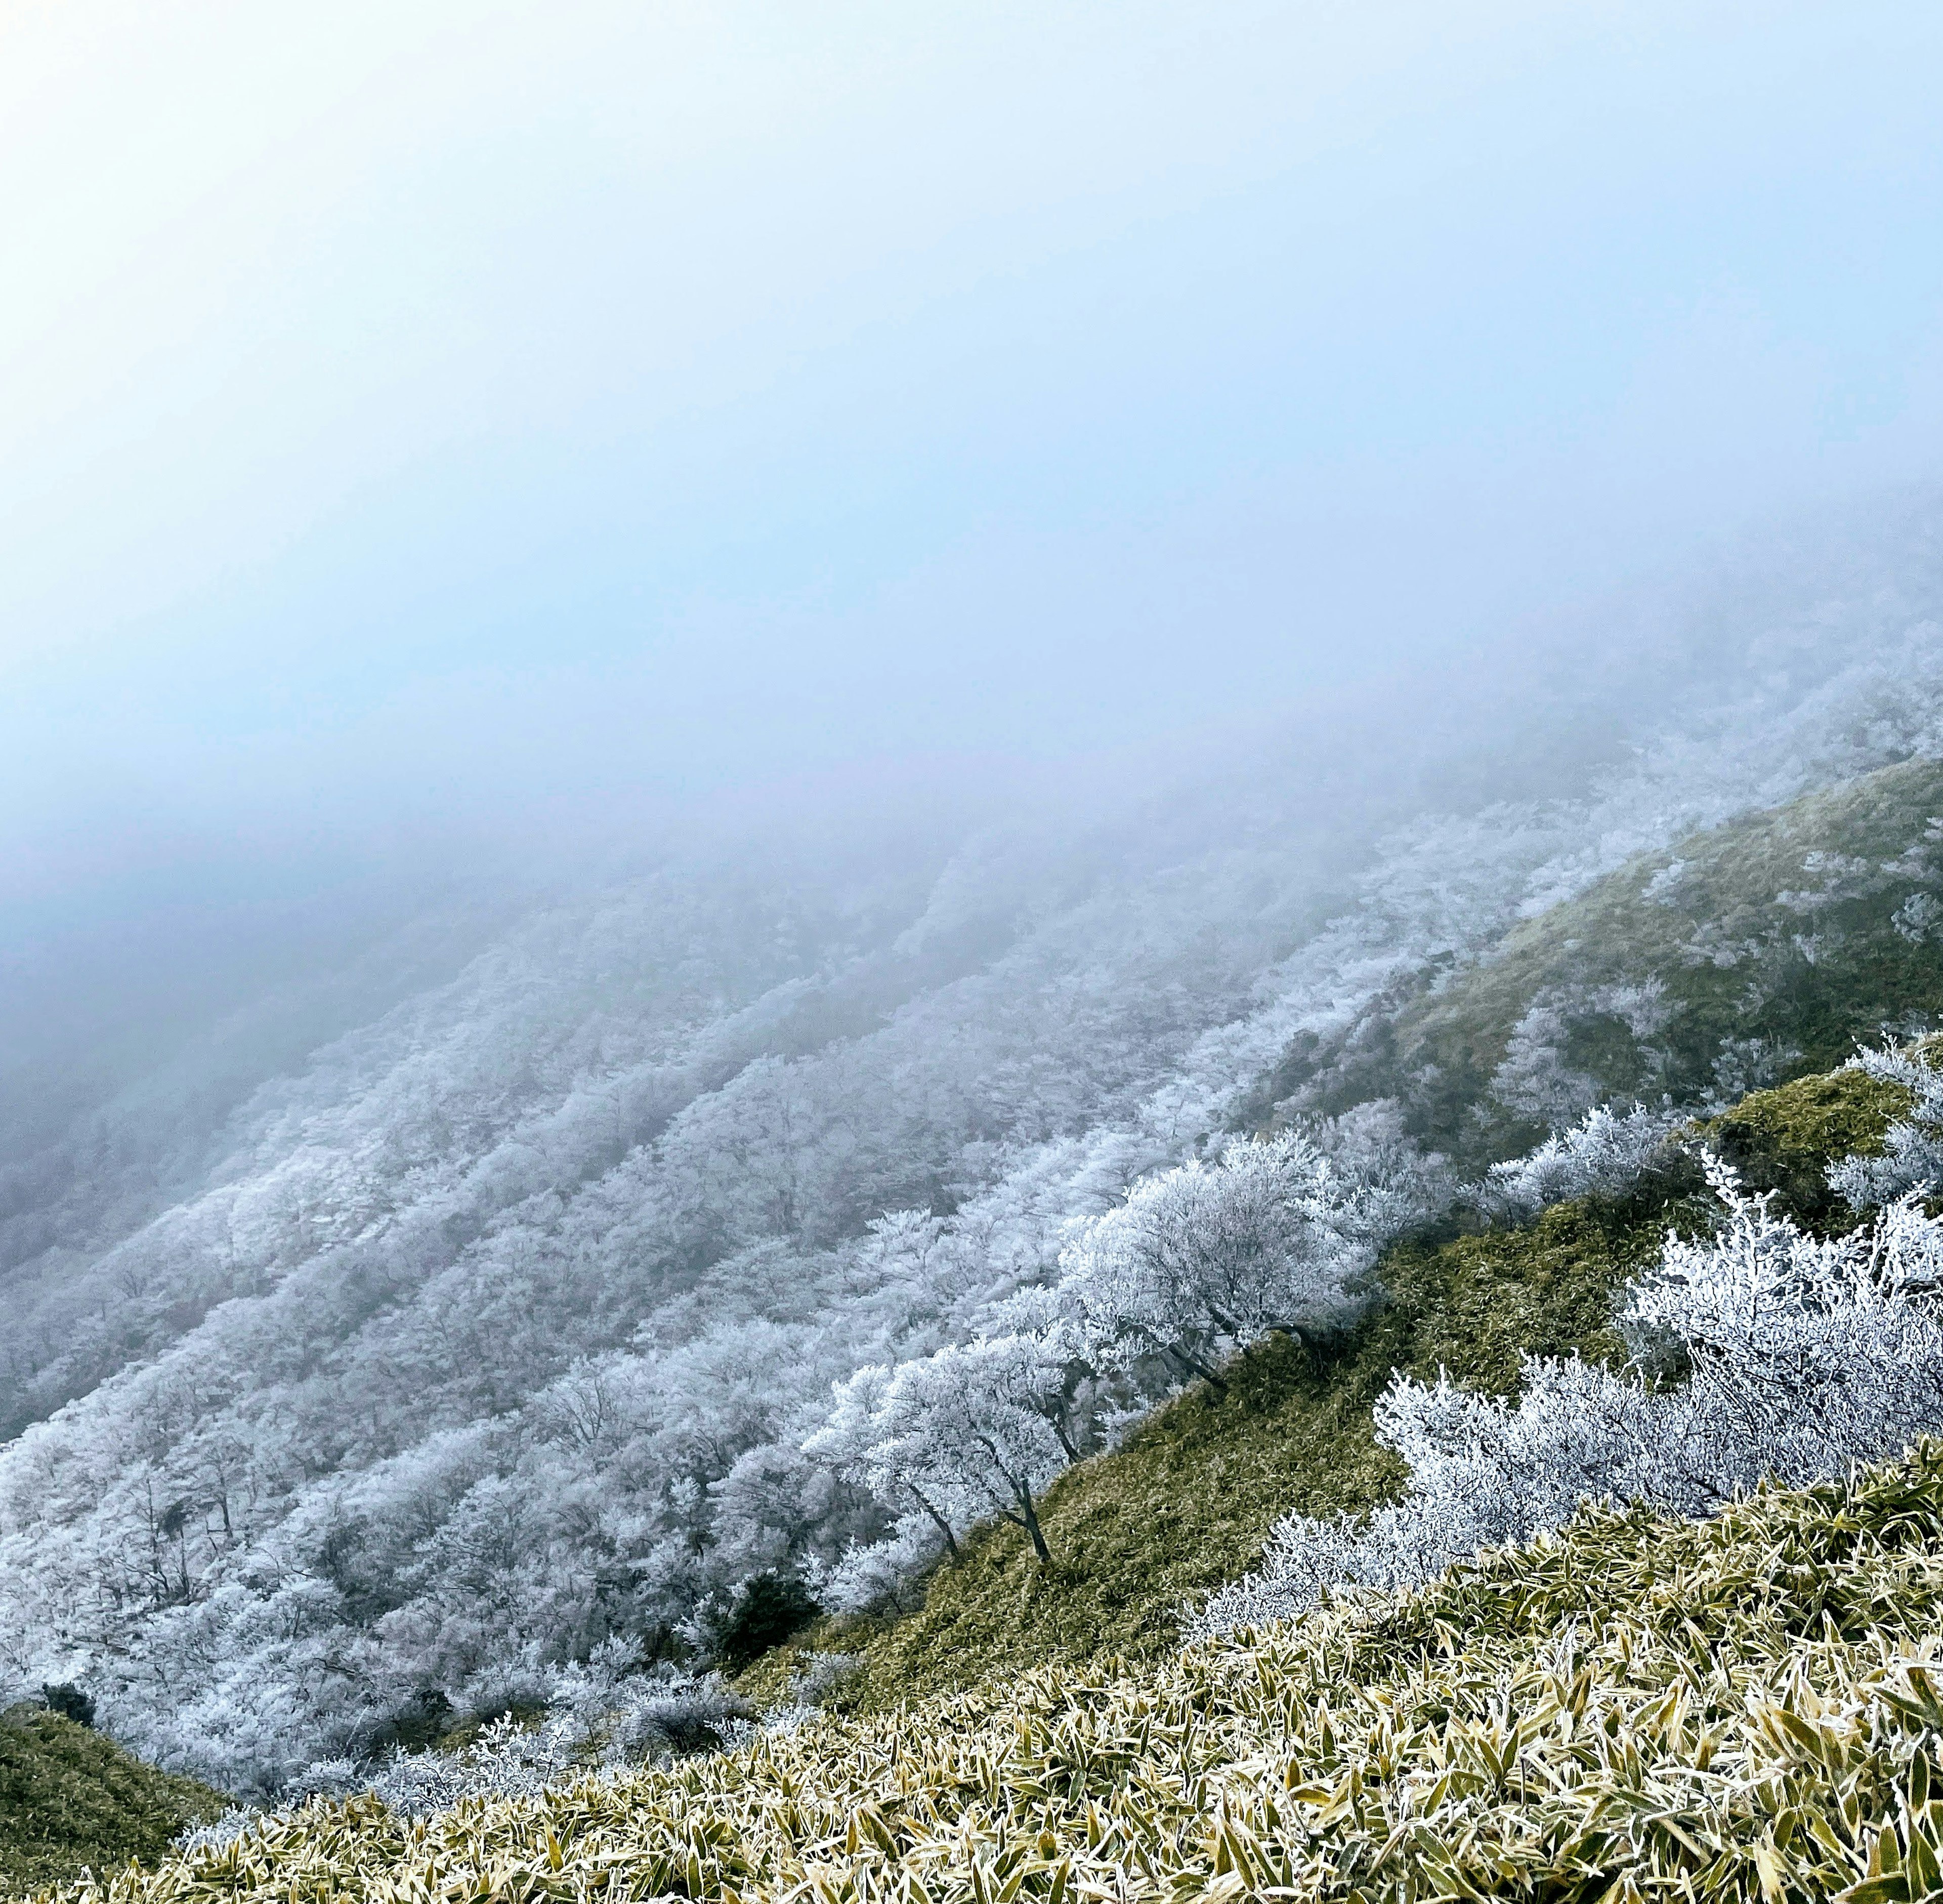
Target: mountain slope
(1185,1502)
(497,1331)
(69,1797)
(1743,1708)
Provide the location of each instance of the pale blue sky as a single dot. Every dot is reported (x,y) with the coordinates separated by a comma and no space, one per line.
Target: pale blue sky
(414,412)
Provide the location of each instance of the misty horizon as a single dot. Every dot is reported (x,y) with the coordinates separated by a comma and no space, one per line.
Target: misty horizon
(432,420)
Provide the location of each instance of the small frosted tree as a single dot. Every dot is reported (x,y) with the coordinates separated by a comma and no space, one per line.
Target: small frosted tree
(875,1573)
(1205,1259)
(852,1440)
(965,1434)
(1383,1183)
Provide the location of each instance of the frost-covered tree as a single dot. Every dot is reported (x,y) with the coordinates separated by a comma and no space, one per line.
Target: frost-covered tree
(1202,1260)
(965,1434)
(857,1442)
(1390,1185)
(879,1573)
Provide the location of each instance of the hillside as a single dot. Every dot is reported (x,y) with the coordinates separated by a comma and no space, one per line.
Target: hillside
(1757,950)
(70,1799)
(1743,1708)
(1184,1503)
(1182,1506)
(648,1257)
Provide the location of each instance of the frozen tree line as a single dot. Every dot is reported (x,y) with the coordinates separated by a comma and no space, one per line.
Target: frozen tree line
(507,1330)
(602,1717)
(1194,1264)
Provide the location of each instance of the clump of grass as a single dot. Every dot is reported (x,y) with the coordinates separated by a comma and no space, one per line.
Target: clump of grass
(1784,1139)
(71,1798)
(1748,1709)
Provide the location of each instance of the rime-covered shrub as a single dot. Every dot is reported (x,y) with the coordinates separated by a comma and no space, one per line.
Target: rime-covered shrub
(1798,1357)
(1912,1153)
(1605,1152)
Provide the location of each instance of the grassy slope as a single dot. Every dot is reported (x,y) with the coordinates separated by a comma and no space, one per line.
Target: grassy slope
(1738,956)
(1747,1708)
(69,1797)
(1187,1500)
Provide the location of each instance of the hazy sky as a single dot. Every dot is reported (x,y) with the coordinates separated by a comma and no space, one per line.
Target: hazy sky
(413,410)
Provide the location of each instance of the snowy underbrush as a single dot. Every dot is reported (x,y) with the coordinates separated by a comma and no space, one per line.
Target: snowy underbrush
(1760,1351)
(1606,1152)
(603,1717)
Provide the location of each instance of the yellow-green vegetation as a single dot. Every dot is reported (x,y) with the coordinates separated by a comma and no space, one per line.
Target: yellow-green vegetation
(1801,1127)
(1748,1708)
(71,1798)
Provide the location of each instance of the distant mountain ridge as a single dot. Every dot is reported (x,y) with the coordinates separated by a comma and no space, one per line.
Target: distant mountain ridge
(1762,949)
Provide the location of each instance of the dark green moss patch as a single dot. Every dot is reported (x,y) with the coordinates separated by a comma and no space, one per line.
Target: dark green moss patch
(70,1797)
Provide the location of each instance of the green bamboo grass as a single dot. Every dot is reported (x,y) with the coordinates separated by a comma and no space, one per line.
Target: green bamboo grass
(70,1797)
(1745,1708)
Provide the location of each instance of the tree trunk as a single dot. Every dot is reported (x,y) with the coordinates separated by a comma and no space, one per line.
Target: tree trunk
(938,1520)
(1201,1369)
(1028,1519)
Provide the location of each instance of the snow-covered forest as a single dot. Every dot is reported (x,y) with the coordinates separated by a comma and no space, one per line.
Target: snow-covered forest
(707,1226)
